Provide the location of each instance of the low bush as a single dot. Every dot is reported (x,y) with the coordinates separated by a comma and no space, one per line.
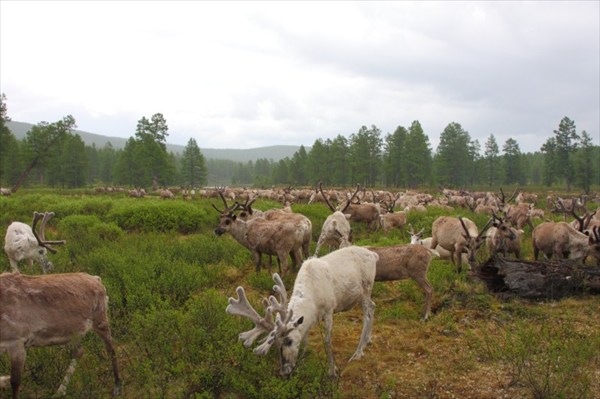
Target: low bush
(160,216)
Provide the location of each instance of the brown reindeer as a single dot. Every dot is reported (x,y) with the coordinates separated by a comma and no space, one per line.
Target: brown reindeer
(366,212)
(401,262)
(53,309)
(458,235)
(261,236)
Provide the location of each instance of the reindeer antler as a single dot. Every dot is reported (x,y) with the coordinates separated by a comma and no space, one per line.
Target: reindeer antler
(331,207)
(40,238)
(351,198)
(279,307)
(282,318)
(228,209)
(242,307)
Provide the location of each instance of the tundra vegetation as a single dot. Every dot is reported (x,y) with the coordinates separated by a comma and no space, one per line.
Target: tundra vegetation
(168,278)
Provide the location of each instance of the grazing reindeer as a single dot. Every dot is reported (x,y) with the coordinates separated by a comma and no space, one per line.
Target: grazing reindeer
(336,227)
(324,286)
(24,243)
(458,235)
(53,309)
(261,236)
(417,239)
(400,262)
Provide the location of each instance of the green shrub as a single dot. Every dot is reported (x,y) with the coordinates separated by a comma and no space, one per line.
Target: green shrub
(85,232)
(159,216)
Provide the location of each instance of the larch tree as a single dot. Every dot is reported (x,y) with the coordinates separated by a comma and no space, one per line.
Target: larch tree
(39,140)
(452,159)
(394,159)
(550,161)
(567,141)
(9,148)
(365,155)
(587,168)
(298,167)
(417,156)
(317,162)
(513,173)
(338,161)
(193,165)
(491,160)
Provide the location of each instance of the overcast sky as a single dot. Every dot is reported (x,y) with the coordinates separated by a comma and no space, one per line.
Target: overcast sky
(251,74)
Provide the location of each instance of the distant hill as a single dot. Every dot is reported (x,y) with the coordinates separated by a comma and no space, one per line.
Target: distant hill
(275,153)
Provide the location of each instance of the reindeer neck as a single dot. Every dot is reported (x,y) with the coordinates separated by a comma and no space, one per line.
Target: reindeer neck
(304,306)
(238,230)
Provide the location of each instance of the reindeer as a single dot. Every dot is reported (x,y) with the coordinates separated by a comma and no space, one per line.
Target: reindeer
(336,228)
(367,212)
(438,251)
(284,215)
(561,240)
(24,243)
(391,219)
(5,191)
(583,223)
(502,238)
(166,194)
(400,262)
(53,309)
(457,235)
(324,286)
(271,237)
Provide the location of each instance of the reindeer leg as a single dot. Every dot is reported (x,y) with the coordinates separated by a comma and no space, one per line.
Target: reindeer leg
(17,356)
(365,337)
(283,258)
(76,354)
(103,330)
(428,290)
(257,257)
(333,371)
(13,265)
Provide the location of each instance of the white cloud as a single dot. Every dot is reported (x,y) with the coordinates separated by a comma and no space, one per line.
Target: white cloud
(248,74)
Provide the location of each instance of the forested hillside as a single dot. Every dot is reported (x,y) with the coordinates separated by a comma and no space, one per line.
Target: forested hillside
(56,155)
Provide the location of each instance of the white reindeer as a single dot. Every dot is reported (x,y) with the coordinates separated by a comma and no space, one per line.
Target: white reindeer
(53,309)
(324,286)
(23,243)
(336,228)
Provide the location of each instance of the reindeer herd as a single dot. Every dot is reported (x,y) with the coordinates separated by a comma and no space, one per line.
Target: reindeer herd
(56,309)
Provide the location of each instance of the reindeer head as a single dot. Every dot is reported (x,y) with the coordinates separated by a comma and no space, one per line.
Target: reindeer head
(473,243)
(415,237)
(227,216)
(282,331)
(45,246)
(594,242)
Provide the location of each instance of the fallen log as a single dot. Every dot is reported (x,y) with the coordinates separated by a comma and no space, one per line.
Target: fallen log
(538,280)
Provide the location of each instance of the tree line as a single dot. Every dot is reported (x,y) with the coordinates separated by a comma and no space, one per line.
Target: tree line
(51,155)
